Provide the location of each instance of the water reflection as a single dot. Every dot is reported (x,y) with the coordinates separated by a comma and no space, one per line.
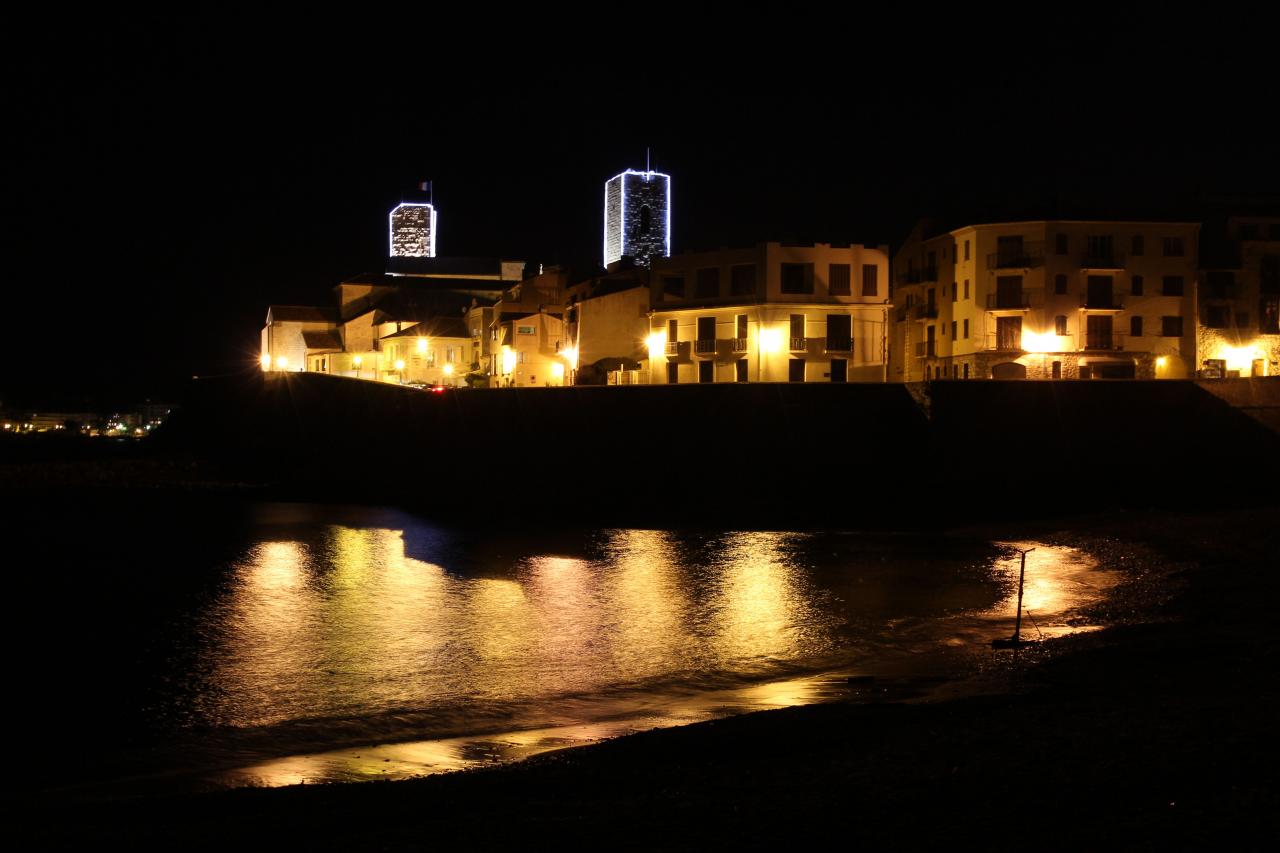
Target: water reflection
(347,624)
(1059,580)
(383,629)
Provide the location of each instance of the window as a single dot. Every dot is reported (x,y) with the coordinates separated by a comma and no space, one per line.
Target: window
(742,280)
(1171,327)
(673,332)
(838,279)
(1219,284)
(1268,315)
(1135,327)
(797,331)
(1100,248)
(870,280)
(1060,325)
(795,370)
(1057,370)
(966,288)
(1059,283)
(526,330)
(1172,285)
(520,357)
(1242,320)
(839,370)
(706,371)
(1138,246)
(1060,244)
(1217,317)
(708,283)
(966,330)
(797,278)
(966,369)
(740,328)
(740,368)
(953,330)
(955,291)
(1135,285)
(673,373)
(966,250)
(673,286)
(706,331)
(1173,247)
(839,333)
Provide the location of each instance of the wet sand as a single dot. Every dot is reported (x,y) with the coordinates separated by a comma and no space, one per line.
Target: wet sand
(1154,732)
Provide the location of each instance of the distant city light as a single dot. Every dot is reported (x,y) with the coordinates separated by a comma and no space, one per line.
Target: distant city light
(770,340)
(281,362)
(399,364)
(265,361)
(448,370)
(422,344)
(570,355)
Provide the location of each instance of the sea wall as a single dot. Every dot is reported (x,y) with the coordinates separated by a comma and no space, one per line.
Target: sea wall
(852,455)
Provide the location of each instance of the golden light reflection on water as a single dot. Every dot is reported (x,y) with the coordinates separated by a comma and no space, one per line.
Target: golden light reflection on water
(1059,580)
(348,625)
(758,604)
(340,626)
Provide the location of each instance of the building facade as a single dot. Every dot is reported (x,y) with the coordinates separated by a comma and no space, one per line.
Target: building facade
(772,313)
(1046,300)
(1238,333)
(637,217)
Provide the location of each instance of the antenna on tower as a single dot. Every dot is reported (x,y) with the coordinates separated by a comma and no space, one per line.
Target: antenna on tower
(647,167)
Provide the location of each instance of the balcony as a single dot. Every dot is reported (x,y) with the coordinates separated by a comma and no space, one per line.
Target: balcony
(924,312)
(1101,302)
(799,344)
(1102,260)
(739,344)
(1102,342)
(926,349)
(1009,301)
(673,348)
(913,276)
(838,345)
(1024,257)
(1009,342)
(705,346)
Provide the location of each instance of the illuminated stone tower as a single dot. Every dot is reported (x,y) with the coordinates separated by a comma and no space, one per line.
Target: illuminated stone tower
(637,216)
(413,226)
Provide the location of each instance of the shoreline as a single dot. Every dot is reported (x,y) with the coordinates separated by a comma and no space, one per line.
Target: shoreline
(1170,703)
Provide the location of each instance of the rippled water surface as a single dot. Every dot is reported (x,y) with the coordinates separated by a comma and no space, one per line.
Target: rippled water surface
(341,643)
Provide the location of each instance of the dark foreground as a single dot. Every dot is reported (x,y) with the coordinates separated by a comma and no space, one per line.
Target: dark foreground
(1156,733)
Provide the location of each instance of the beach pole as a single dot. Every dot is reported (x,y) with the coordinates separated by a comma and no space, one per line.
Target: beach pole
(1022,579)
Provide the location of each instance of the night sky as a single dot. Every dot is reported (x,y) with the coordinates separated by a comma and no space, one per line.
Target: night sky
(163,191)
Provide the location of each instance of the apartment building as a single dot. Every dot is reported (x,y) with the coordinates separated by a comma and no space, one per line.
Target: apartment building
(772,313)
(1238,333)
(527,334)
(607,326)
(1046,300)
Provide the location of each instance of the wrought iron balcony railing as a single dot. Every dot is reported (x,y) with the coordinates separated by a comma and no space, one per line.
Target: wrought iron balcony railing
(1020,257)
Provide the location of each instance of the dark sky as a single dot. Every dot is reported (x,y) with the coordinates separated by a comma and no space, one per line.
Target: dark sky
(163,190)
